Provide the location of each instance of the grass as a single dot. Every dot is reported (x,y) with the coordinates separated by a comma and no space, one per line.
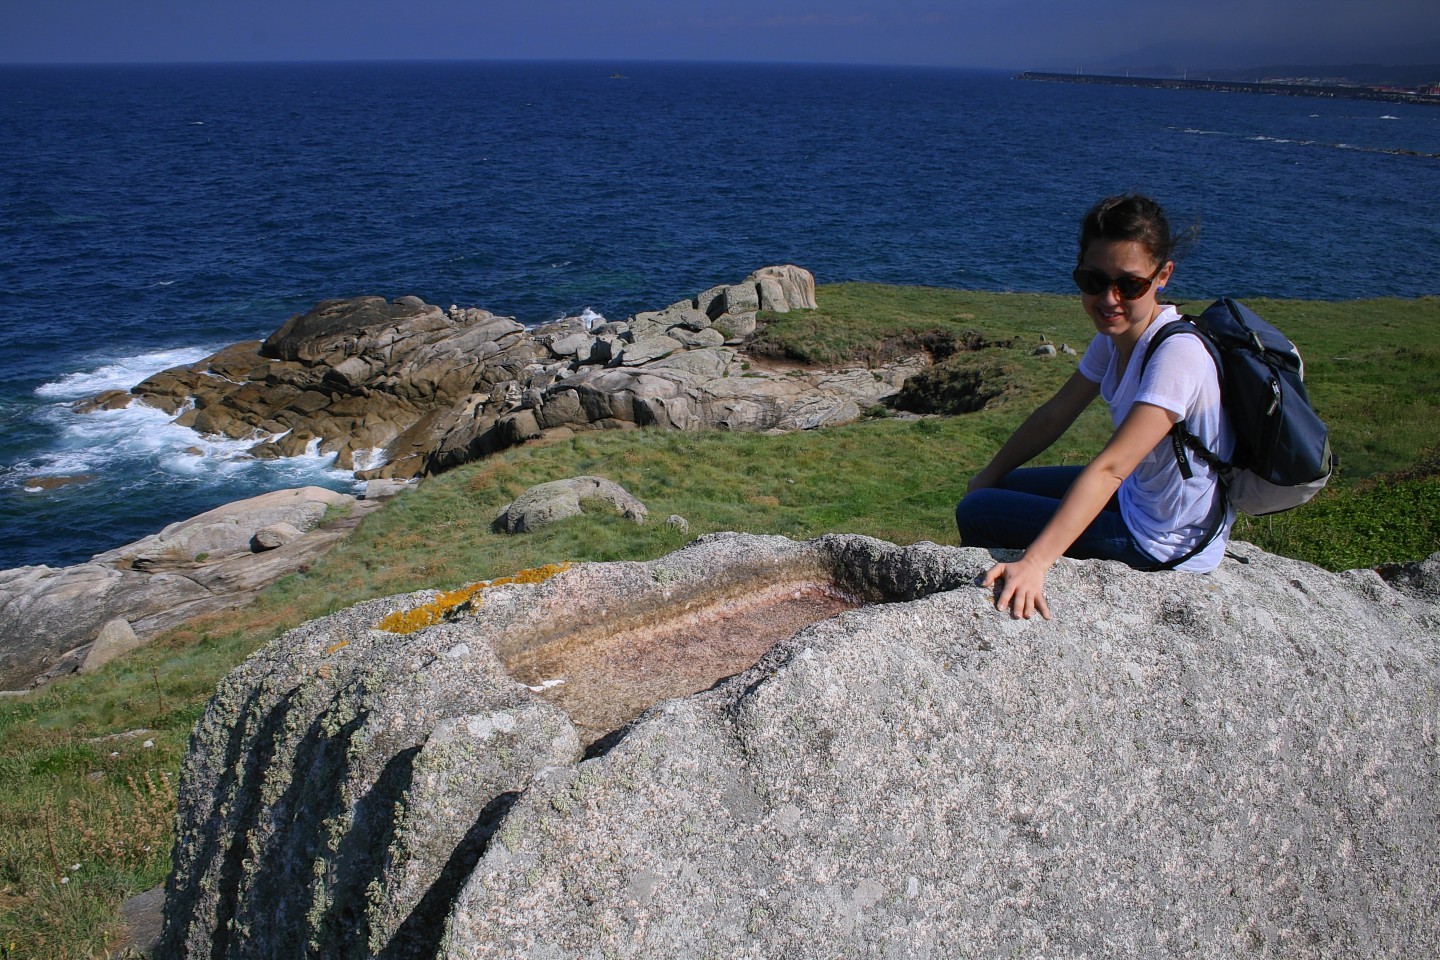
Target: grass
(85,807)
(867,322)
(1392,518)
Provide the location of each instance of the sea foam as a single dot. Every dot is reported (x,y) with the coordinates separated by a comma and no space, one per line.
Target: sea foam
(121,374)
(146,444)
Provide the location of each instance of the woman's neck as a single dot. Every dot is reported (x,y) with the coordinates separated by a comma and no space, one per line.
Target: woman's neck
(1126,342)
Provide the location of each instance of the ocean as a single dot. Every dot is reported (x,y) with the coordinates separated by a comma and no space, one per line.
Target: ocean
(152,214)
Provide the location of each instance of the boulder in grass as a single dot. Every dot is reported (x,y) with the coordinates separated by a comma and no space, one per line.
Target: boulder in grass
(114,640)
(550,502)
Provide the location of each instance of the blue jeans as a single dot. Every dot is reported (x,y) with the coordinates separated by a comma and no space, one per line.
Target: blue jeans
(1012,515)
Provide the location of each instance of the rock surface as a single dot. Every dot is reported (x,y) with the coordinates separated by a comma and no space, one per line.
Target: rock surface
(547,503)
(50,618)
(401,389)
(115,639)
(1244,763)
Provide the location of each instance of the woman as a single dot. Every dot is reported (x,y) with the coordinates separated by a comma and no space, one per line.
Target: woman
(1131,503)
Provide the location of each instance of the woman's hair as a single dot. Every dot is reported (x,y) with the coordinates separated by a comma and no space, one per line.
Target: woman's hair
(1132,217)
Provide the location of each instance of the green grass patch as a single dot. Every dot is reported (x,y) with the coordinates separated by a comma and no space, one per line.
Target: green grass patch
(1386,520)
(73,772)
(871,323)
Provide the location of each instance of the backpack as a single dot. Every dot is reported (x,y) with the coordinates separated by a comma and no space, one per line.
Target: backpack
(1282,450)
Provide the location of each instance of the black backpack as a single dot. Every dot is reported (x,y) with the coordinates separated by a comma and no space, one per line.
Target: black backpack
(1282,450)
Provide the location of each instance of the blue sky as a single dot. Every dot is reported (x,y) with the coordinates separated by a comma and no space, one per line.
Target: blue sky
(1011,34)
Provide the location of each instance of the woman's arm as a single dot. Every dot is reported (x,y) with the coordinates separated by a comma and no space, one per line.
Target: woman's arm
(1023,582)
(1042,428)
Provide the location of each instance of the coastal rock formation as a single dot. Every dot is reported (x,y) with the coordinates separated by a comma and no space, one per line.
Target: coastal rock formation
(49,618)
(401,388)
(1244,763)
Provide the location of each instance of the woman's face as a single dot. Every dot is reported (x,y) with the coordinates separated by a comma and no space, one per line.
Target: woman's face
(1113,315)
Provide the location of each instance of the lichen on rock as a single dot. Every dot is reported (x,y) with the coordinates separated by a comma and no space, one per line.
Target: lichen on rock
(451,602)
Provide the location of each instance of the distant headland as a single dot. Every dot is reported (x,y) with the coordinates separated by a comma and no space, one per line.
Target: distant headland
(1298,87)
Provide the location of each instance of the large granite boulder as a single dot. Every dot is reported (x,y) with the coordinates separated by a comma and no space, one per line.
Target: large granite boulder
(1237,764)
(51,617)
(547,503)
(398,389)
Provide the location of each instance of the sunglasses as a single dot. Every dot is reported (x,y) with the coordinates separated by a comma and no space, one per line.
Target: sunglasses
(1095,283)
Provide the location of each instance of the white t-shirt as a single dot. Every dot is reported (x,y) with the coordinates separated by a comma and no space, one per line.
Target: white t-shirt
(1167,514)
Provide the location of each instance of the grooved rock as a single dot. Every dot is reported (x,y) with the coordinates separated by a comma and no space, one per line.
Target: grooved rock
(1244,763)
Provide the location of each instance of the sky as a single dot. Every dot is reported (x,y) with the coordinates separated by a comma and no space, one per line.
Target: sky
(986,34)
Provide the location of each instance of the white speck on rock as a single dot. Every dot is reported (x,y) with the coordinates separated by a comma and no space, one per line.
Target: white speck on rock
(487,726)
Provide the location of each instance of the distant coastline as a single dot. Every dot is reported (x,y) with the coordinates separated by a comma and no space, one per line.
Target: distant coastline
(1272,88)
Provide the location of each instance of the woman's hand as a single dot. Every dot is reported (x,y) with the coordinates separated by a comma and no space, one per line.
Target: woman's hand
(1022,583)
(1022,588)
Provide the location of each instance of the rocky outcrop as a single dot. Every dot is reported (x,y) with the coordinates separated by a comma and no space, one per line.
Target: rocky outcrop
(50,618)
(402,388)
(1243,763)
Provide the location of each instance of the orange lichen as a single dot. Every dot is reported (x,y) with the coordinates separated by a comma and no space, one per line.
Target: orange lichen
(429,614)
(445,605)
(533,575)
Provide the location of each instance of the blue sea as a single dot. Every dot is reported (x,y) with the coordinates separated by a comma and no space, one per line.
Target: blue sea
(152,214)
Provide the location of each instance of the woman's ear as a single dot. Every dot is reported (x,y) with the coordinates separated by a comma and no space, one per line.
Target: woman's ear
(1163,279)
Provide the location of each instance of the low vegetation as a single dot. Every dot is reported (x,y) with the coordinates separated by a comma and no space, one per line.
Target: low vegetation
(88,765)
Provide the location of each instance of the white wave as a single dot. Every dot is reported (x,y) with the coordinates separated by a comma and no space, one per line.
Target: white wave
(367,459)
(591,319)
(143,442)
(1387,116)
(121,374)
(139,451)
(65,463)
(136,433)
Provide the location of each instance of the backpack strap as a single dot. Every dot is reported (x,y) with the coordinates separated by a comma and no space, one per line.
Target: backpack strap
(1223,501)
(1182,439)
